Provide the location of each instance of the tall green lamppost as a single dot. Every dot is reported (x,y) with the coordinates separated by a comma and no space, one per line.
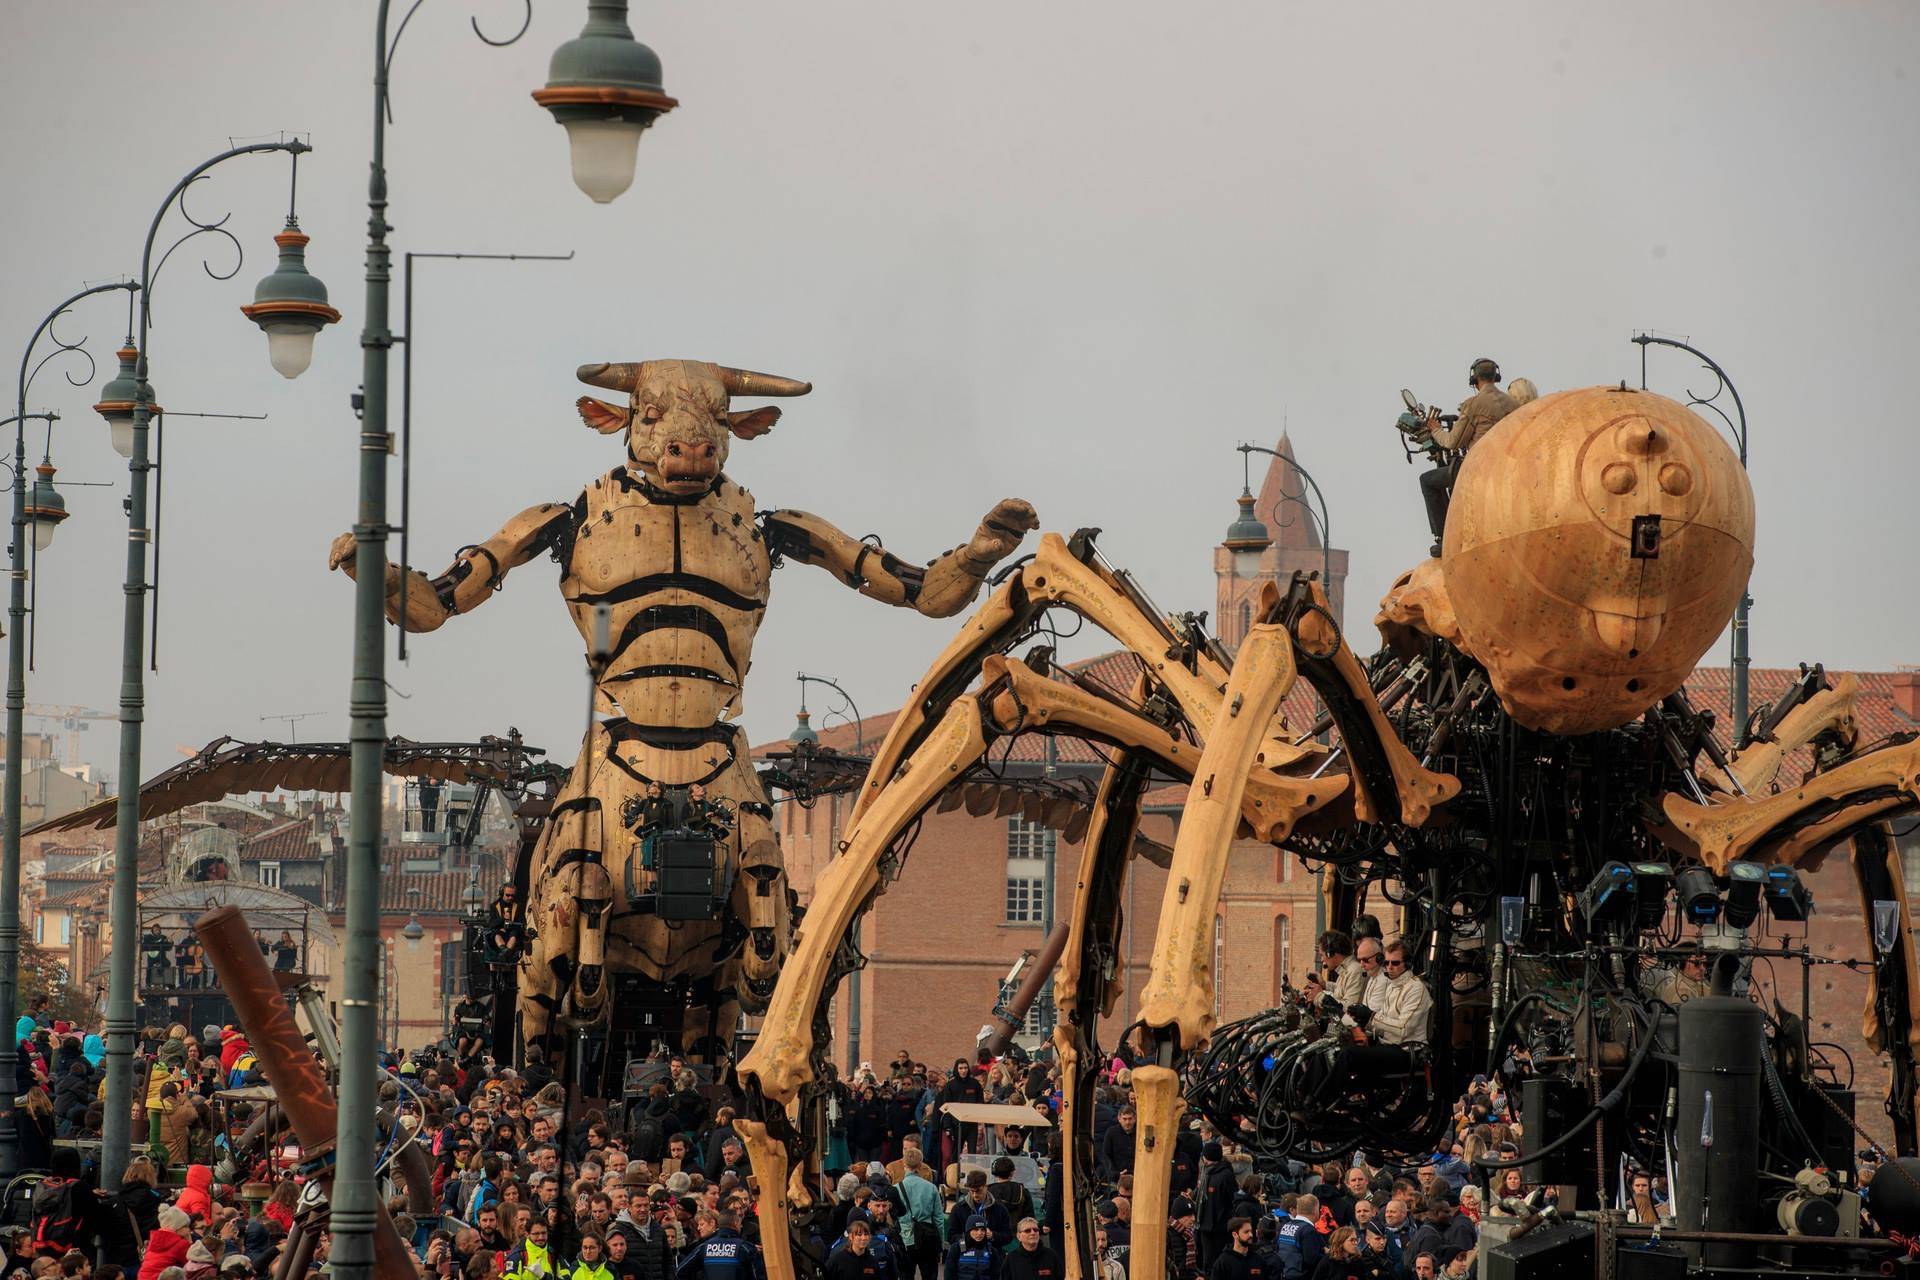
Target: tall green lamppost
(42,509)
(290,306)
(604,87)
(43,512)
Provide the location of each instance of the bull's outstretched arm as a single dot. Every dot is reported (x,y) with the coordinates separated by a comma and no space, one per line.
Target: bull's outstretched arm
(475,574)
(943,588)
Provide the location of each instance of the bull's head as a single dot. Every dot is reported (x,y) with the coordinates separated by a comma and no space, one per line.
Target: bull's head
(677,418)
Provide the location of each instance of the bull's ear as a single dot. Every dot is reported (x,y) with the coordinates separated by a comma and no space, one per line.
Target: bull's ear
(603,417)
(753,422)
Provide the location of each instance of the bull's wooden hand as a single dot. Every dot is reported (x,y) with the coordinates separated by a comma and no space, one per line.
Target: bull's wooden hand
(425,612)
(1000,532)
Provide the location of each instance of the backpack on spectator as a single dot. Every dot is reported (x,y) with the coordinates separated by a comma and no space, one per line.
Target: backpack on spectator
(56,1219)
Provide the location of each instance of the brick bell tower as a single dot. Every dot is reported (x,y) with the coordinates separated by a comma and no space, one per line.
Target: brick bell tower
(1273,535)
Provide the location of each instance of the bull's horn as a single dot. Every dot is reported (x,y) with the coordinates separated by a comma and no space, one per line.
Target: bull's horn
(614,377)
(745,382)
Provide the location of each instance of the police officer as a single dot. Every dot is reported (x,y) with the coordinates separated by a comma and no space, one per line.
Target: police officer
(721,1254)
(1478,413)
(974,1256)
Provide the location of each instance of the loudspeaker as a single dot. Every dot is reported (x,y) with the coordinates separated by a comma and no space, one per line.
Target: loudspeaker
(1641,1260)
(1832,1135)
(1554,1252)
(1549,1108)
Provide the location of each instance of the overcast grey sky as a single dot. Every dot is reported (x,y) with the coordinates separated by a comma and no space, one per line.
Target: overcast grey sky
(1067,251)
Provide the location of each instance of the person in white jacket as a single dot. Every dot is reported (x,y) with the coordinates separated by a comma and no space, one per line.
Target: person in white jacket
(1399,1001)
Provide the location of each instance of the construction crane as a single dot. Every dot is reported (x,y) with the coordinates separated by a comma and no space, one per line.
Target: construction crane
(72,721)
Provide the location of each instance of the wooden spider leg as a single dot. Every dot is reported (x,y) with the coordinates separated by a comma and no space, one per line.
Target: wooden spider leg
(1389,784)
(1823,807)
(1273,801)
(1755,766)
(1056,577)
(1088,982)
(781,1061)
(1177,1013)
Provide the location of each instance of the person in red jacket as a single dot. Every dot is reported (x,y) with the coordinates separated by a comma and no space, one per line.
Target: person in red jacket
(232,1046)
(166,1247)
(197,1199)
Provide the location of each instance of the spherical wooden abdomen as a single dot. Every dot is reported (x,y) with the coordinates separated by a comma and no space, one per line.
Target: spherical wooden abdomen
(1597,543)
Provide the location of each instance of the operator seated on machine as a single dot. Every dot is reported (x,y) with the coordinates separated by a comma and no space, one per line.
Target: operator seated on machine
(1383,1030)
(1478,413)
(681,809)
(1688,982)
(507,933)
(1345,977)
(470,1025)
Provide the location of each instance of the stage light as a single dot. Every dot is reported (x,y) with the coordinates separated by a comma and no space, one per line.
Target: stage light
(1787,896)
(1651,882)
(1745,881)
(1699,896)
(1608,900)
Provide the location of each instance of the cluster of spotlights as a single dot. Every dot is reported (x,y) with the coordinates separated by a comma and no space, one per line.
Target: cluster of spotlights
(1634,895)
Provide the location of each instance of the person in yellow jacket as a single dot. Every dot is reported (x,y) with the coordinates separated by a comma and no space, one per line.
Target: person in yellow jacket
(593,1260)
(531,1259)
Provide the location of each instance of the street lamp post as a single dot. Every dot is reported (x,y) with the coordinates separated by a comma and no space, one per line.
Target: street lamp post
(1738,693)
(605,88)
(1326,578)
(304,311)
(16,711)
(854,1020)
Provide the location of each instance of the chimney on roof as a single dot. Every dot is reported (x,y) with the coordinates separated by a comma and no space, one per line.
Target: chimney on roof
(1906,691)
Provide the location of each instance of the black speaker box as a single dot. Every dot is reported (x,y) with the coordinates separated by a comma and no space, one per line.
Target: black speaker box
(1557,1252)
(1549,1108)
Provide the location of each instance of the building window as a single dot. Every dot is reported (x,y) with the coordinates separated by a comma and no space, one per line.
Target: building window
(1028,846)
(1026,899)
(1219,937)
(453,968)
(1246,619)
(1282,953)
(270,874)
(66,928)
(1038,1014)
(39,927)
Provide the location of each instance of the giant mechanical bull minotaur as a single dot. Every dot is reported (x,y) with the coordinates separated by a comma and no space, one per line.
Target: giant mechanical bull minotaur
(673,546)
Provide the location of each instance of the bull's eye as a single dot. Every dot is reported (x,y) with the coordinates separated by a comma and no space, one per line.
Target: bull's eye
(651,413)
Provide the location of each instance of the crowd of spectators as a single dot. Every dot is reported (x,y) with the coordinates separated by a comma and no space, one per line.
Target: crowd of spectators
(524,1187)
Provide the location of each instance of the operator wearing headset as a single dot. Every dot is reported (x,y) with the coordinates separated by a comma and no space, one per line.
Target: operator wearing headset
(1478,412)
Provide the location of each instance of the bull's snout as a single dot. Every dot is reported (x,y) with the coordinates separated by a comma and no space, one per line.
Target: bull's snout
(689,460)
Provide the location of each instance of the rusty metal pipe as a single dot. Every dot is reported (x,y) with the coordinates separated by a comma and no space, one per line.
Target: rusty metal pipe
(298,1083)
(1037,976)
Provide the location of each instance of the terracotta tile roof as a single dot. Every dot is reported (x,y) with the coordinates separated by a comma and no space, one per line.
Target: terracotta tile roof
(293,841)
(441,893)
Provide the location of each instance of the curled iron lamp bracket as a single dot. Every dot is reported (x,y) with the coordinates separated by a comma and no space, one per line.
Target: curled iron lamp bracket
(393,46)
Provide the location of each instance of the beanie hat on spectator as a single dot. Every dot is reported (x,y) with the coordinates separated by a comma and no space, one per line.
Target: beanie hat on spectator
(978,1220)
(200,1253)
(174,1220)
(1182,1208)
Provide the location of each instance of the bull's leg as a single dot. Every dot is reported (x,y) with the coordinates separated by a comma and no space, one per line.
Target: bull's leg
(1177,1014)
(569,843)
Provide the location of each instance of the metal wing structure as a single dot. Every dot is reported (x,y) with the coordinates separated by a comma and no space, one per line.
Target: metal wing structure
(225,767)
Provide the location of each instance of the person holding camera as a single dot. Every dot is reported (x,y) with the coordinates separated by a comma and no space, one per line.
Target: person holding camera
(1478,414)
